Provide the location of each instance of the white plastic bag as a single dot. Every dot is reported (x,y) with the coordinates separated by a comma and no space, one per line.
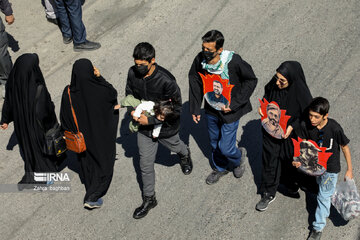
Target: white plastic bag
(346,199)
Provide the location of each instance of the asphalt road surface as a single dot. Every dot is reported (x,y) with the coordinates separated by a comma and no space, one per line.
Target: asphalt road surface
(323,35)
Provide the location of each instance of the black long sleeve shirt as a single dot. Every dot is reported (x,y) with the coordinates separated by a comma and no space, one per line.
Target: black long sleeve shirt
(159,86)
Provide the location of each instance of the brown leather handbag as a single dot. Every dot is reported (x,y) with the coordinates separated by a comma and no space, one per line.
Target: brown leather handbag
(74,141)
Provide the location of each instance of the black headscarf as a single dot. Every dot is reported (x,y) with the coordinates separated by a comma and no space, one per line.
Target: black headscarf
(296,97)
(93,100)
(32,116)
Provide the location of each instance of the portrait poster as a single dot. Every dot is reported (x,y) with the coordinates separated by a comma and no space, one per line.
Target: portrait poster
(217,91)
(313,158)
(274,120)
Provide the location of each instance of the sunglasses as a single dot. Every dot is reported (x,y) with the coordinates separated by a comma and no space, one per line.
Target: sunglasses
(281,80)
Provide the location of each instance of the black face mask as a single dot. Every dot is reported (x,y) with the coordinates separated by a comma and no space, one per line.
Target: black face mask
(142,70)
(208,55)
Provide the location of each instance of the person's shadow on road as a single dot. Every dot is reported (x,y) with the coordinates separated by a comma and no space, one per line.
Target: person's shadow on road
(251,140)
(198,131)
(128,142)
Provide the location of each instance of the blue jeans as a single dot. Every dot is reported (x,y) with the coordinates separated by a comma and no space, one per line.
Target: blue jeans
(69,14)
(225,154)
(327,184)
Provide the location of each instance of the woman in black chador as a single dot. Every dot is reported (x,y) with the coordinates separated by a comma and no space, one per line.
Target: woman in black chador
(289,90)
(28,104)
(93,100)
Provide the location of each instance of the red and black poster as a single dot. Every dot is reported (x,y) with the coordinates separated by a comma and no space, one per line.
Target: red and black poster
(274,120)
(313,158)
(217,91)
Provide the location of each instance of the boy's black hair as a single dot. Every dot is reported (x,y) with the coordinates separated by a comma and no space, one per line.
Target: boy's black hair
(319,105)
(167,109)
(214,36)
(144,51)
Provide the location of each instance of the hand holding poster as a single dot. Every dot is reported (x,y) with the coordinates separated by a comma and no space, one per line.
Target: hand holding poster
(313,158)
(274,120)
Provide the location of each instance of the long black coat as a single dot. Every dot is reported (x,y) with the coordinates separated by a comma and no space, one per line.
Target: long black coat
(93,100)
(32,117)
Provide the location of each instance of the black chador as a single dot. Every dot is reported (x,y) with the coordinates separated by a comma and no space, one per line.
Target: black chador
(32,115)
(278,153)
(93,100)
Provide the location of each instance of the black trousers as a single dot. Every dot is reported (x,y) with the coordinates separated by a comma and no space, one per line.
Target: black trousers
(276,165)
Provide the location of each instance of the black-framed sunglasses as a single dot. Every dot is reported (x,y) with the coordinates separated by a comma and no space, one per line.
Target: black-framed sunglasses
(281,80)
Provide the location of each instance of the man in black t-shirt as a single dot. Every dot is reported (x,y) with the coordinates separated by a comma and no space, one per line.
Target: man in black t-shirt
(327,133)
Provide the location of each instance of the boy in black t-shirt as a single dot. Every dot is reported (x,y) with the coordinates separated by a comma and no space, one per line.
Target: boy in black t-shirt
(327,133)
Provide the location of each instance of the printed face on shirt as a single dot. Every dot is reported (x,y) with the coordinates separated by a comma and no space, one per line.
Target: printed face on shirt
(218,88)
(274,114)
(308,151)
(317,119)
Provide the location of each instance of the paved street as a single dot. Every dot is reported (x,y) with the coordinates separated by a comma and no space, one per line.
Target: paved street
(323,35)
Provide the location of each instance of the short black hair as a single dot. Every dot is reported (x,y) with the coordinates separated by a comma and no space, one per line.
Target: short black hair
(144,51)
(320,105)
(214,36)
(167,109)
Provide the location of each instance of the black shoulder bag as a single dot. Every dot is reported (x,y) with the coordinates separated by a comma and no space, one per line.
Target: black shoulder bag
(54,137)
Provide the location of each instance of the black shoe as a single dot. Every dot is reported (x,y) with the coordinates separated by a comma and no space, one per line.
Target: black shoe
(53,20)
(215,176)
(67,40)
(314,235)
(263,204)
(148,203)
(186,163)
(86,46)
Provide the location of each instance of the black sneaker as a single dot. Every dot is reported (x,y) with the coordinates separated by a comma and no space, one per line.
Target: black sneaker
(314,235)
(239,170)
(266,199)
(86,46)
(67,40)
(215,176)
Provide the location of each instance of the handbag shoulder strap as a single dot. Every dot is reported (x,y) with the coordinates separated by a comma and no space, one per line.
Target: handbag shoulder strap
(72,110)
